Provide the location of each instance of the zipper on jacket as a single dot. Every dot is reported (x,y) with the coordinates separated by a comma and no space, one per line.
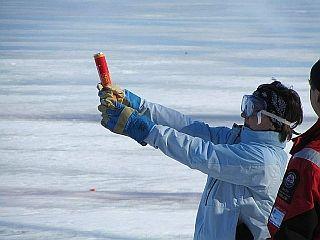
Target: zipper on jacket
(214,182)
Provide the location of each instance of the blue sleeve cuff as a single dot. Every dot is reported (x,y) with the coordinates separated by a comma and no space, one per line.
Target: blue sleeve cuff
(134,100)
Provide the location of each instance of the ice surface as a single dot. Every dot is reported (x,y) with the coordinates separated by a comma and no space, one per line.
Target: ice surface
(198,57)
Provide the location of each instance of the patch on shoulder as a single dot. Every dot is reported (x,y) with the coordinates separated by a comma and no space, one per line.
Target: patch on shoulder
(289,184)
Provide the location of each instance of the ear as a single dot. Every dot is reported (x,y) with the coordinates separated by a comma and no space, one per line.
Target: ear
(318,96)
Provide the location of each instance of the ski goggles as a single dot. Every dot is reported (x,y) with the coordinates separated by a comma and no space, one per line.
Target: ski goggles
(252,105)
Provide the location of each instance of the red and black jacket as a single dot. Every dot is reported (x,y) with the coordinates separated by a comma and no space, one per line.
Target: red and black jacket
(296,212)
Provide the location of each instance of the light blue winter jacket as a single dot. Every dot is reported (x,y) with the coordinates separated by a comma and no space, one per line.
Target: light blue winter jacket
(244,169)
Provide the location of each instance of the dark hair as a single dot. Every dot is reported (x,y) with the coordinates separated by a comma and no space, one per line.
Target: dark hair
(315,76)
(283,102)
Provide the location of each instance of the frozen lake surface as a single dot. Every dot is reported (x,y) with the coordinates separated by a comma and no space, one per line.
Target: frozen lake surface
(199,57)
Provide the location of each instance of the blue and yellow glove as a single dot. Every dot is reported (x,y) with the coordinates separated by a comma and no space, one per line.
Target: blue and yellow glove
(115,93)
(124,120)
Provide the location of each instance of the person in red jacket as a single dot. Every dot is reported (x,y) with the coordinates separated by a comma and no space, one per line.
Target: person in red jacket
(296,212)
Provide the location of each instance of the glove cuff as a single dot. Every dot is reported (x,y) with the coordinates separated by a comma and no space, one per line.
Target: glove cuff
(134,100)
(139,127)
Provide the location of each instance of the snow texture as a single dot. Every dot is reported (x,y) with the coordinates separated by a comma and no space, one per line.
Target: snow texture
(199,57)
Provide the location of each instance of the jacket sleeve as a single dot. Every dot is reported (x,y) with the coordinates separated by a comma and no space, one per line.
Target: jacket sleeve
(165,116)
(231,163)
(298,200)
(299,228)
(171,118)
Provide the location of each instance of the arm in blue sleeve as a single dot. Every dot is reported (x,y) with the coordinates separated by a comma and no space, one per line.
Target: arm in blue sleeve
(216,135)
(164,116)
(231,163)
(168,117)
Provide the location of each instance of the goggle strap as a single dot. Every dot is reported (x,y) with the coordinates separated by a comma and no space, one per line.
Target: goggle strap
(280,119)
(259,117)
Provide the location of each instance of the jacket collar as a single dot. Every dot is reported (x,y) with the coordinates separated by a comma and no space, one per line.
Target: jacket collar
(312,134)
(264,137)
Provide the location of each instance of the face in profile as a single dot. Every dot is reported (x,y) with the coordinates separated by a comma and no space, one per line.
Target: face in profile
(315,100)
(252,123)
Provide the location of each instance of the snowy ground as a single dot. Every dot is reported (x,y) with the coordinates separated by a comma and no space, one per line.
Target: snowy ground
(199,57)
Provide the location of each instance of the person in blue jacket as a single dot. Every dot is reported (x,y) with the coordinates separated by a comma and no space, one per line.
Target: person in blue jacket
(245,164)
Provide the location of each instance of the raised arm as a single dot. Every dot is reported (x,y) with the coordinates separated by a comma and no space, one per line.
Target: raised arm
(157,113)
(165,116)
(243,164)
(238,163)
(161,115)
